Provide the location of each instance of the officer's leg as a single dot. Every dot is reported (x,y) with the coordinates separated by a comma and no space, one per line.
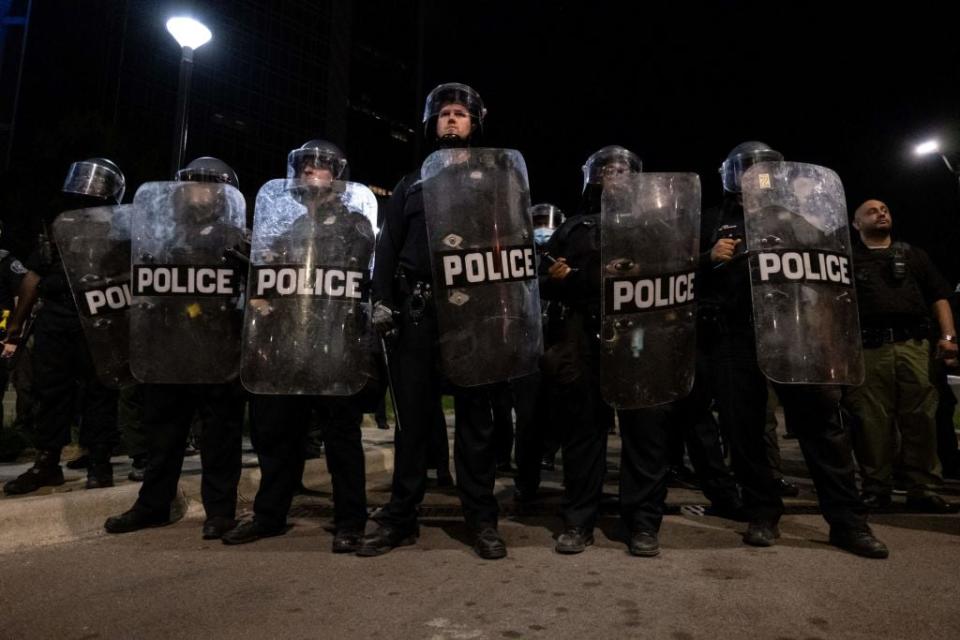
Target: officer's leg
(529,433)
(644,436)
(438,447)
(692,416)
(741,394)
(827,451)
(221,440)
(55,392)
(344,451)
(916,413)
(167,410)
(54,384)
(416,383)
(474,456)
(873,405)
(280,423)
(99,433)
(501,404)
(583,449)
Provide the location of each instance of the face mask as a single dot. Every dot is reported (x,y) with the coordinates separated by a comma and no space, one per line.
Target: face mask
(542,235)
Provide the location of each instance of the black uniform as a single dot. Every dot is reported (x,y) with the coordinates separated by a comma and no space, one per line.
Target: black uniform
(726,339)
(573,365)
(403,280)
(11,275)
(280,423)
(169,409)
(63,371)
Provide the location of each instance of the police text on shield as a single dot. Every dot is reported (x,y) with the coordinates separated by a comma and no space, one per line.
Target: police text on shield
(648,293)
(334,283)
(471,267)
(181,280)
(783,266)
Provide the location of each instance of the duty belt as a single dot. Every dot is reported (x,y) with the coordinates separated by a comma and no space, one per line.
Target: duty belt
(875,337)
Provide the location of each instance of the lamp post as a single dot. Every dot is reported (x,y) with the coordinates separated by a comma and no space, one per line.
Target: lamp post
(933,146)
(190,35)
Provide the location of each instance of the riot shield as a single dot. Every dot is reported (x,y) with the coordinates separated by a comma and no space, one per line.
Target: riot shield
(649,246)
(306,323)
(185,313)
(801,274)
(484,265)
(94,245)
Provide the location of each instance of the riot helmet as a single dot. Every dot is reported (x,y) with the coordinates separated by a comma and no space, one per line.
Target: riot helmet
(198,200)
(209,169)
(318,154)
(97,177)
(742,157)
(608,162)
(546,218)
(453,93)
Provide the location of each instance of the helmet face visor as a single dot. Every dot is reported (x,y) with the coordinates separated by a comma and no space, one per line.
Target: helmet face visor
(99,179)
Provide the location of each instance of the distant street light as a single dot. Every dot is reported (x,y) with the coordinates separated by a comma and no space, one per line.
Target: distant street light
(190,35)
(926,148)
(931,147)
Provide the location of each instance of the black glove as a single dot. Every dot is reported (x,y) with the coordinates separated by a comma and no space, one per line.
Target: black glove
(383,320)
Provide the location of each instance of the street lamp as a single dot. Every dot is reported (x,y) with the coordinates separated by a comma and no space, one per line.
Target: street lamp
(190,35)
(930,147)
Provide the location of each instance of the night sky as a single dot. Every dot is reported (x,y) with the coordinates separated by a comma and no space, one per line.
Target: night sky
(681,83)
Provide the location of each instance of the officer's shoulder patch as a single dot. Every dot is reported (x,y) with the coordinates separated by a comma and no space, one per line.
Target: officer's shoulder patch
(17,267)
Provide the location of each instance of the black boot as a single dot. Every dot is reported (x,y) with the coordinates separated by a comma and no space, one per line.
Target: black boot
(99,471)
(45,472)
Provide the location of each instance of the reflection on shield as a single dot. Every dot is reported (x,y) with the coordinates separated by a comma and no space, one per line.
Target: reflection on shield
(94,245)
(184,317)
(306,323)
(484,265)
(650,228)
(801,273)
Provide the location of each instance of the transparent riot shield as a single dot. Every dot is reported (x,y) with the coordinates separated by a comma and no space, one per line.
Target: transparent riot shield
(801,274)
(484,265)
(94,245)
(649,246)
(306,323)
(185,315)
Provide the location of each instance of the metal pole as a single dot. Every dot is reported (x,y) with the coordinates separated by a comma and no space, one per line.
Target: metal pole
(183,106)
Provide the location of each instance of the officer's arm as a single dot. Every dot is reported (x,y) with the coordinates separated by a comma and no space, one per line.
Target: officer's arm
(27,294)
(947,345)
(389,245)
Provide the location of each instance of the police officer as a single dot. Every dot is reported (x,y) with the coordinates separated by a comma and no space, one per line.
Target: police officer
(168,410)
(63,370)
(897,288)
(402,286)
(741,392)
(280,422)
(16,281)
(574,365)
(533,394)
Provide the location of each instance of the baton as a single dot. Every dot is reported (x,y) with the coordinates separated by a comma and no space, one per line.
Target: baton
(393,393)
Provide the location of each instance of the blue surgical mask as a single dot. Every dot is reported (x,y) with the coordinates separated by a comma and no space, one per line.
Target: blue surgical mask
(542,235)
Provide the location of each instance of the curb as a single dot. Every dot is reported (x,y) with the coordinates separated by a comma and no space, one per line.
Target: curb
(69,516)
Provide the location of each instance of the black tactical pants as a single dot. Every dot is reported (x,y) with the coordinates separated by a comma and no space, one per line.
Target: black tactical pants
(693,420)
(529,397)
(741,394)
(417,381)
(168,410)
(281,424)
(644,435)
(584,423)
(66,388)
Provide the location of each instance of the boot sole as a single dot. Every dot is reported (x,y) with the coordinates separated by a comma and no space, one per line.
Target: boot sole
(372,552)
